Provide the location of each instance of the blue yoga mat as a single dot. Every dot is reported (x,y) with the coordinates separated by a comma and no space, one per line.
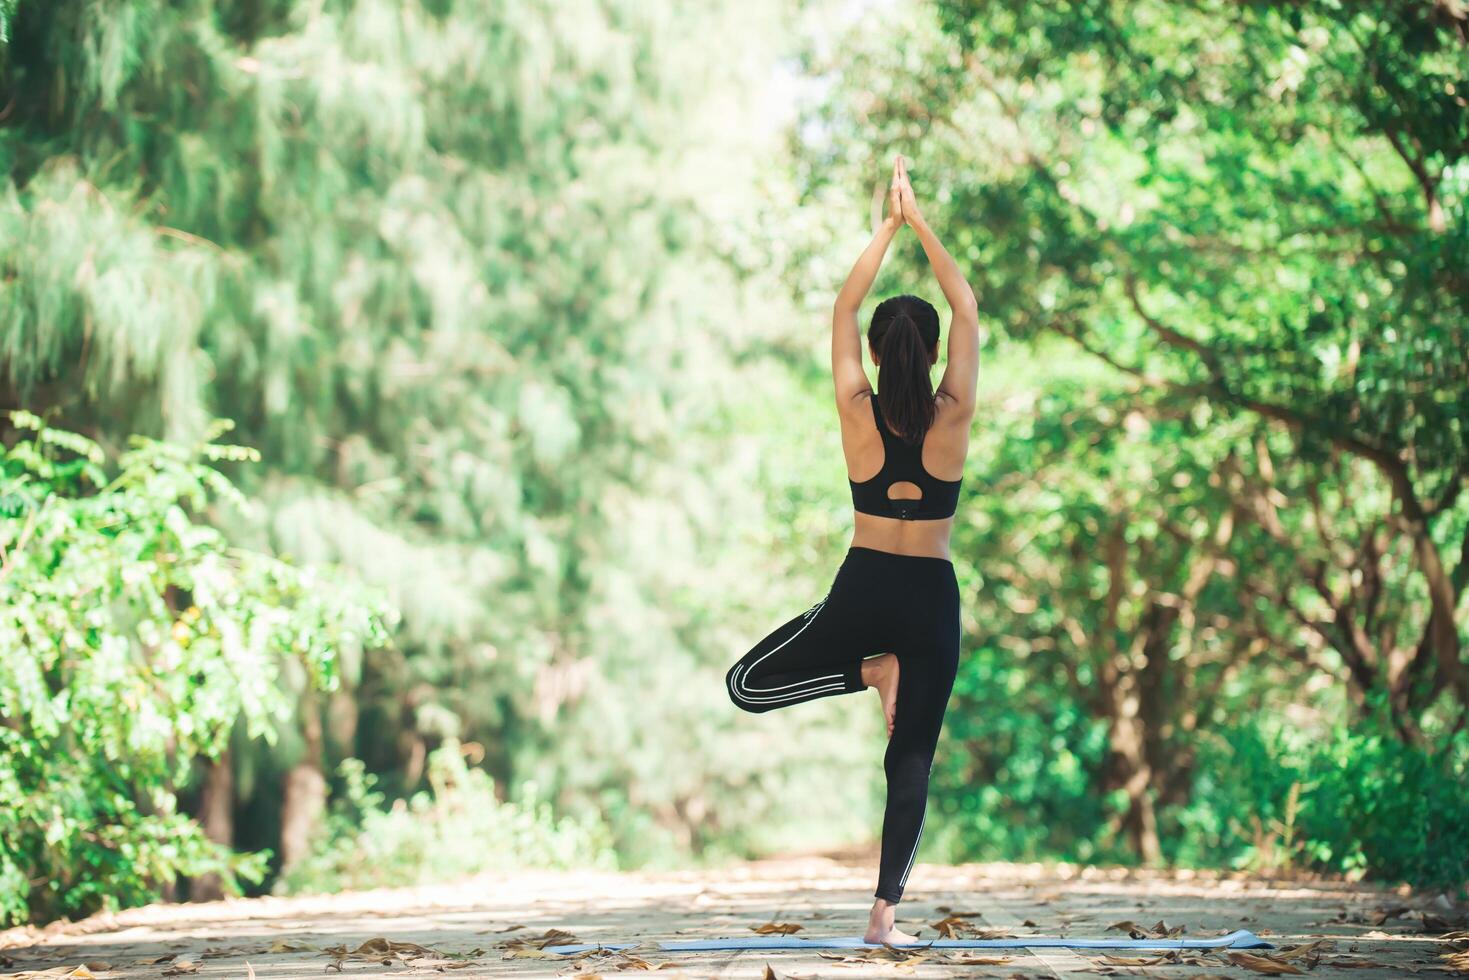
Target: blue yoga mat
(1239,939)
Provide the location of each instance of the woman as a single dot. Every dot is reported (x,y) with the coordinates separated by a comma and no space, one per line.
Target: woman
(895,590)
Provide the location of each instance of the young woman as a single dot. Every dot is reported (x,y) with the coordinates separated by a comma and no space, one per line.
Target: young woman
(890,619)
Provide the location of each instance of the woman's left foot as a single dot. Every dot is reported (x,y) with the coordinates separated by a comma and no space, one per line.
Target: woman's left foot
(881,672)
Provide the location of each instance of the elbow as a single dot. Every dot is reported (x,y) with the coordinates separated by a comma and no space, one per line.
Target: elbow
(967,309)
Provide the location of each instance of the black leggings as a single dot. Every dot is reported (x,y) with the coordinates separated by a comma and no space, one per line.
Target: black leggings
(879,602)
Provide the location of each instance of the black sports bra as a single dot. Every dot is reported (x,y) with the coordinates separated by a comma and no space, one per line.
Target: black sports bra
(903,461)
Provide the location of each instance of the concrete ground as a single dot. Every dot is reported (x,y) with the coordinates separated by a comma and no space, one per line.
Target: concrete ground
(493,925)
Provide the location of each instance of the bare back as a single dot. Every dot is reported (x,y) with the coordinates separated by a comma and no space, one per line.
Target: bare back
(945,447)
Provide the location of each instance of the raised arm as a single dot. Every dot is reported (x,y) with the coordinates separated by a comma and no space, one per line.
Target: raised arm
(846,334)
(961,367)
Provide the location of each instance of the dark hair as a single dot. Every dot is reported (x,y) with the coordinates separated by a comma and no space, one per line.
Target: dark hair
(904,332)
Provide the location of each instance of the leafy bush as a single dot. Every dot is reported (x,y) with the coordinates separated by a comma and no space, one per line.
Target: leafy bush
(458,827)
(131,641)
(1355,800)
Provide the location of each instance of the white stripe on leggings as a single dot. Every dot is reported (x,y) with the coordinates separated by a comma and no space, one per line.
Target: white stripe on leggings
(739,686)
(805,687)
(793,696)
(903,881)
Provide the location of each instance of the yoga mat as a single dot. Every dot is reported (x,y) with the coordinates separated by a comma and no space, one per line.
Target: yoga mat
(1239,939)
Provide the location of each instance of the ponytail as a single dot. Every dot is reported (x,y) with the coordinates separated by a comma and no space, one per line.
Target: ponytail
(904,332)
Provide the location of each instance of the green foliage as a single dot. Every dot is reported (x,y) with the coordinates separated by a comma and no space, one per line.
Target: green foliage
(132,640)
(457,827)
(1354,801)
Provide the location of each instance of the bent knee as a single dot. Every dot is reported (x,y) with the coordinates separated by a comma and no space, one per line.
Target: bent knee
(737,696)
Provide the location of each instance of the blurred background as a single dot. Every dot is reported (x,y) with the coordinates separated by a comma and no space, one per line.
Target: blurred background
(520,316)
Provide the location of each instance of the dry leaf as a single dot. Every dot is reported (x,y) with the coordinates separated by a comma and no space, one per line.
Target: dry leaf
(1311,951)
(154,960)
(769,973)
(531,953)
(551,937)
(1135,960)
(292,946)
(784,928)
(1158,930)
(1264,964)
(181,967)
(950,928)
(968,959)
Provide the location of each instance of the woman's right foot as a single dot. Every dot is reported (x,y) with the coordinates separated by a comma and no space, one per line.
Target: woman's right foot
(881,672)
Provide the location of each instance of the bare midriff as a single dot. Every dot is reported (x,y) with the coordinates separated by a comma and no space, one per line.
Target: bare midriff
(925,538)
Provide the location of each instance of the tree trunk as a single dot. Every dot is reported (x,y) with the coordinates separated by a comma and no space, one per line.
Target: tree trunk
(217,817)
(303,797)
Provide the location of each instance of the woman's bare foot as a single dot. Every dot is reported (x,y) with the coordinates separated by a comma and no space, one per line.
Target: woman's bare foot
(880,928)
(881,672)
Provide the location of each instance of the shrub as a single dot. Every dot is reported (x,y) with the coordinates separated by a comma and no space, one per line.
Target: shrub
(132,639)
(458,827)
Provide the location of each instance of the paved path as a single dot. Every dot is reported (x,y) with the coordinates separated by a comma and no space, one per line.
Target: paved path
(462,929)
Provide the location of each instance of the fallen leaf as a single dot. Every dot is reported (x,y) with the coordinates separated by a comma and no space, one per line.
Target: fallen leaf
(181,967)
(784,928)
(1380,916)
(633,962)
(1437,923)
(1263,964)
(292,946)
(968,959)
(1305,951)
(551,937)
(1135,960)
(1158,930)
(769,973)
(951,927)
